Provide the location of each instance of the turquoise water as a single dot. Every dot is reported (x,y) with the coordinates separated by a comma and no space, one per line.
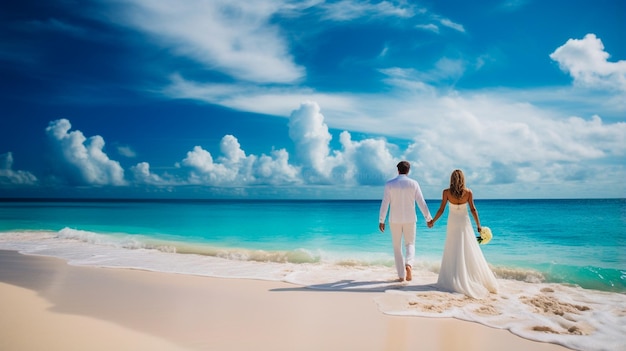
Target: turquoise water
(580,242)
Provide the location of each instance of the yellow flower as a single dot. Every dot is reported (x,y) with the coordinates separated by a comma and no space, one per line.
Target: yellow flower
(485,235)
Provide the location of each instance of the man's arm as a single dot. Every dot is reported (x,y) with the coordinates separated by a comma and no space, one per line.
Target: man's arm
(384,207)
(421,203)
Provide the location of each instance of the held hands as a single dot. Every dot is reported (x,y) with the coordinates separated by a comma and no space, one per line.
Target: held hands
(381,226)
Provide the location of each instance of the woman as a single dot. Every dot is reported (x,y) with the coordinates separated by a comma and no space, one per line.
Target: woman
(463,266)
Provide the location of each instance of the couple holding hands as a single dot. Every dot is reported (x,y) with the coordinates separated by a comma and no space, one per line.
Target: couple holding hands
(463,266)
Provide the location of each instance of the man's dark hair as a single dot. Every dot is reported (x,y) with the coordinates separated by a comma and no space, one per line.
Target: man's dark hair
(404,167)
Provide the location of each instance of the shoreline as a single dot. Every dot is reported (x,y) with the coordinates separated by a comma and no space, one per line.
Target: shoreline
(48,304)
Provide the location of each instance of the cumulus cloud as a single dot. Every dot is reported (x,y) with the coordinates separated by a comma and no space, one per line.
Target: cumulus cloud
(276,170)
(80,160)
(497,137)
(497,143)
(365,162)
(235,168)
(142,175)
(311,137)
(476,131)
(493,149)
(368,162)
(204,170)
(9,176)
(587,62)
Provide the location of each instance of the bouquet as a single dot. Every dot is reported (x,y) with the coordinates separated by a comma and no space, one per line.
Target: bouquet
(485,235)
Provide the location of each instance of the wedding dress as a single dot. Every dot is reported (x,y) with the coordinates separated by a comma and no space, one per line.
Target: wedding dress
(463,266)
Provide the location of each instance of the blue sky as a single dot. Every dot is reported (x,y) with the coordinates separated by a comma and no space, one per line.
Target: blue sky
(311,99)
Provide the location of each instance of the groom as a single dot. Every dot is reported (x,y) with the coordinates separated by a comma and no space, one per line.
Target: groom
(401,194)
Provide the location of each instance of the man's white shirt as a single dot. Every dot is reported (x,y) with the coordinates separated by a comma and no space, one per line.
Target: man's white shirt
(400,196)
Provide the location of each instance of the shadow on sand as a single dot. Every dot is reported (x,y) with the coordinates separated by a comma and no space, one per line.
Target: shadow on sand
(362,286)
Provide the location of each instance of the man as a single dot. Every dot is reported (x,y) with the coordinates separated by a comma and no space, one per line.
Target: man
(401,194)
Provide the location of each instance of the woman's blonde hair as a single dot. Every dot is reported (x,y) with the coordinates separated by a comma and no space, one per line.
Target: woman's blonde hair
(457,183)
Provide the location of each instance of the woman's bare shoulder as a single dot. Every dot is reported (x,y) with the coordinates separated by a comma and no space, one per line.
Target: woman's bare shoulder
(469,196)
(445,195)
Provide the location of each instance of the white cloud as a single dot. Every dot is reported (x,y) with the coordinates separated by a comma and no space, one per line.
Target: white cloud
(204,170)
(126,151)
(587,62)
(365,162)
(448,23)
(346,10)
(444,71)
(231,149)
(235,168)
(276,170)
(498,138)
(142,175)
(368,162)
(279,101)
(8,176)
(235,160)
(507,148)
(494,135)
(82,160)
(384,51)
(311,137)
(237,38)
(428,27)
(242,39)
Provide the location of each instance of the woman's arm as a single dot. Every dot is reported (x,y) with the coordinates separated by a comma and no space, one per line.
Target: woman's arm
(442,207)
(473,209)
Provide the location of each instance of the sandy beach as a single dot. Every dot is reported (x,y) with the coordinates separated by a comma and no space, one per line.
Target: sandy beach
(48,304)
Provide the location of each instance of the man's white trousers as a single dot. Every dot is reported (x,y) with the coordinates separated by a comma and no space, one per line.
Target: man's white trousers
(400,231)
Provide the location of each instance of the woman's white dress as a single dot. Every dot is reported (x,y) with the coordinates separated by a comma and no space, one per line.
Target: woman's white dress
(463,266)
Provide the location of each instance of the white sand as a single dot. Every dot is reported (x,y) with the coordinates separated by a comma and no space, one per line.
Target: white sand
(46,304)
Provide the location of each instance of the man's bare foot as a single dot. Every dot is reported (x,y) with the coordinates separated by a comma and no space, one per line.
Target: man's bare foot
(400,280)
(409,275)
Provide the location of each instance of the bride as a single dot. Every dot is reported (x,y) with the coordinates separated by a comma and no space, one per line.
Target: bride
(463,266)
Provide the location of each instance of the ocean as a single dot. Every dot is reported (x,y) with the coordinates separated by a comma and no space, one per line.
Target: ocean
(545,253)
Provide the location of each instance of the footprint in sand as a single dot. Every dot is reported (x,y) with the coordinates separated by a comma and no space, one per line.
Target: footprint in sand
(551,306)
